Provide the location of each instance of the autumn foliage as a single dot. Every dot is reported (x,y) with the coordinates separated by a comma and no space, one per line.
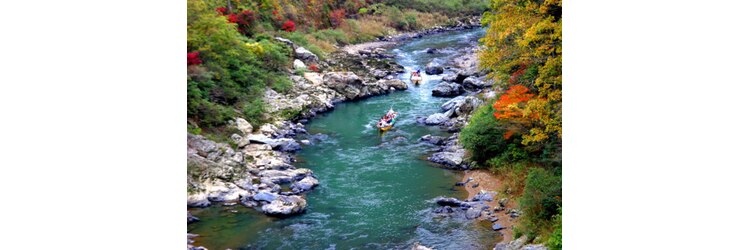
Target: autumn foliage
(288,26)
(192,58)
(337,17)
(509,105)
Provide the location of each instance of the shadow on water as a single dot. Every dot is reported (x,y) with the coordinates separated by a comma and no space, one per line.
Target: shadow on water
(375,189)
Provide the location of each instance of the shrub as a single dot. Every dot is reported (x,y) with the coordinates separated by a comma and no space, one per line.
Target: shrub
(483,136)
(542,196)
(192,58)
(337,17)
(288,26)
(555,240)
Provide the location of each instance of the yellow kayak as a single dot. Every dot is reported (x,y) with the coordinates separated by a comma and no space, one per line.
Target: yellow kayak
(386,123)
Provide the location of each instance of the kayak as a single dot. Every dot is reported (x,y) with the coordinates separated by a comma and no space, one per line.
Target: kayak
(386,123)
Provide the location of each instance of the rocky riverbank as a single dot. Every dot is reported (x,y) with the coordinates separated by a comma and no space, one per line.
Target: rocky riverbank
(463,80)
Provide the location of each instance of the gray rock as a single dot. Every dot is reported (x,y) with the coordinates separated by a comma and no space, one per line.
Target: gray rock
(304,185)
(497,226)
(436,119)
(431,51)
(433,68)
(450,78)
(453,103)
(450,159)
(285,205)
(245,127)
(435,140)
(304,54)
(473,82)
(502,202)
(265,196)
(473,213)
(191,218)
(299,65)
(446,89)
(484,196)
(284,40)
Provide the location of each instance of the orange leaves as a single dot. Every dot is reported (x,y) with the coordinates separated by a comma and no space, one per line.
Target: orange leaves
(508,134)
(509,104)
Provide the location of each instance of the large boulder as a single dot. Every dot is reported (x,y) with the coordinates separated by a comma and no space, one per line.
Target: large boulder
(345,83)
(467,106)
(304,185)
(433,68)
(304,54)
(473,82)
(285,205)
(436,119)
(452,103)
(447,89)
(299,65)
(245,127)
(450,159)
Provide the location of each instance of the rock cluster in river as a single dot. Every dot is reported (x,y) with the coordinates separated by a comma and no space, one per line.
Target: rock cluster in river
(251,175)
(469,209)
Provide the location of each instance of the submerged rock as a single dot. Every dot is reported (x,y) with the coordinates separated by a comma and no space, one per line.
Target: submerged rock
(191,218)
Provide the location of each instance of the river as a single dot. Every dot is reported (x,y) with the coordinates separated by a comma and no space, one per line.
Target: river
(375,190)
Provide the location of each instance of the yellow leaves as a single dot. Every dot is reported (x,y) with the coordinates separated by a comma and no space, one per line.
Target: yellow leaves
(534,135)
(255,48)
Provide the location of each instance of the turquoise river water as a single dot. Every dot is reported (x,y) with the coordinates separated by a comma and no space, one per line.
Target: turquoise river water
(375,190)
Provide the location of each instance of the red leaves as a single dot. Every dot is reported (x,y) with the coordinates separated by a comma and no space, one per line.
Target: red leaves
(192,58)
(337,16)
(313,67)
(222,10)
(288,26)
(232,18)
(507,106)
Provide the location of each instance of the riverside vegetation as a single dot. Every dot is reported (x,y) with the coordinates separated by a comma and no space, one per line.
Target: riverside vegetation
(519,135)
(240,56)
